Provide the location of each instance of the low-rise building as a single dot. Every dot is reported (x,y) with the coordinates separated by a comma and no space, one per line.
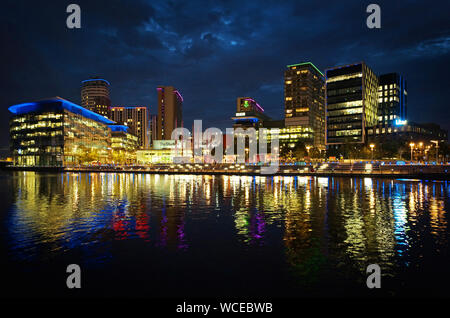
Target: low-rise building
(123,145)
(58,133)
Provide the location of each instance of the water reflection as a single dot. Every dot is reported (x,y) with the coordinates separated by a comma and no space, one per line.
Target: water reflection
(317,223)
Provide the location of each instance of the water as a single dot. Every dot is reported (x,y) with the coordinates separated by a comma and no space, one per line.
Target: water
(138,235)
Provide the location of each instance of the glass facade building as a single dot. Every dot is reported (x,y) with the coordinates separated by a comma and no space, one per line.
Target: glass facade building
(123,145)
(351,103)
(58,133)
(392,102)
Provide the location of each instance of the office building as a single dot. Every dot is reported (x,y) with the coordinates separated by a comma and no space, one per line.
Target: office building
(123,145)
(136,118)
(408,132)
(304,100)
(392,102)
(170,114)
(351,104)
(57,133)
(95,95)
(249,114)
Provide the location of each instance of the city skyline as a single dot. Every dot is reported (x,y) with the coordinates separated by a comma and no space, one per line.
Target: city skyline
(224,156)
(206,59)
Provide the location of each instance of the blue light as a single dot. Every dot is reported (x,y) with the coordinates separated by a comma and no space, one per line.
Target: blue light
(96,79)
(400,122)
(58,104)
(118,128)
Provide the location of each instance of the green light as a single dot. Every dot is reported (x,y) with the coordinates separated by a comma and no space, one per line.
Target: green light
(246,104)
(307,63)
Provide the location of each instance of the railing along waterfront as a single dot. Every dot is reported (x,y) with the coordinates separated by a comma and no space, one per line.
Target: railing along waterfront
(358,168)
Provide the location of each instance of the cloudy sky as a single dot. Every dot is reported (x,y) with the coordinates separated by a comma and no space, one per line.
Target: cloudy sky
(215,51)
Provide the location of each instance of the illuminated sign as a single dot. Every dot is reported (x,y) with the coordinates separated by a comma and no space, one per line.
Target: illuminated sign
(163,144)
(246,104)
(399,122)
(240,114)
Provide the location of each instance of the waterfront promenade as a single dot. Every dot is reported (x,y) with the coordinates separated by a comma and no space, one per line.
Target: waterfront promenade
(352,169)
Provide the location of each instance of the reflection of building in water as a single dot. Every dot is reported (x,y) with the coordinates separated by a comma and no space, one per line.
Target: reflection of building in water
(304,227)
(351,221)
(71,210)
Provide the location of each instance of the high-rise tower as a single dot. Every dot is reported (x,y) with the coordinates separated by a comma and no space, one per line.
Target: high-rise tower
(95,95)
(170,114)
(304,100)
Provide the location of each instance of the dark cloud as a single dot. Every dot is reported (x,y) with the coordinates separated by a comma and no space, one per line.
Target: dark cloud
(214,51)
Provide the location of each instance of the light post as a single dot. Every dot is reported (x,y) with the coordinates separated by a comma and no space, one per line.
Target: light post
(412,148)
(436,142)
(371,148)
(420,151)
(307,149)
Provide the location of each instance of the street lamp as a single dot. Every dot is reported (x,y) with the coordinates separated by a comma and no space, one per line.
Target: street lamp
(307,149)
(420,150)
(371,148)
(437,148)
(412,147)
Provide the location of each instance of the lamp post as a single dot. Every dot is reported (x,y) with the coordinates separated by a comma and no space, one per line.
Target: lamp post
(412,147)
(371,148)
(307,149)
(436,142)
(420,151)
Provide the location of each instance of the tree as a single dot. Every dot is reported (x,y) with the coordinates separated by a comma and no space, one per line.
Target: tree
(295,153)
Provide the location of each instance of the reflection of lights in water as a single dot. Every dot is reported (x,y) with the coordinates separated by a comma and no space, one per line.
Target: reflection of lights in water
(68,212)
(303,180)
(323,182)
(400,219)
(368,183)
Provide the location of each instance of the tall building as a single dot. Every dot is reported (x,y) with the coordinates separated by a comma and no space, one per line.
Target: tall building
(351,103)
(95,95)
(304,95)
(136,118)
(170,114)
(392,102)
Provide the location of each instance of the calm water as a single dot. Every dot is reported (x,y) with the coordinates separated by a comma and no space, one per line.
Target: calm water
(178,235)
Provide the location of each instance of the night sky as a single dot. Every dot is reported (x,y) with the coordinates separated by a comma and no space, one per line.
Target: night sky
(215,51)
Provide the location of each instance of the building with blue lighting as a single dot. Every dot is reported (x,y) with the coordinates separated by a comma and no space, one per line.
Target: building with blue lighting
(249,114)
(57,133)
(392,102)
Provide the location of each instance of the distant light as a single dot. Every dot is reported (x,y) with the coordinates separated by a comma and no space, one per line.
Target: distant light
(400,122)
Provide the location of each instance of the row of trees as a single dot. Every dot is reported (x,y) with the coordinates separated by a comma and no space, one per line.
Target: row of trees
(388,149)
